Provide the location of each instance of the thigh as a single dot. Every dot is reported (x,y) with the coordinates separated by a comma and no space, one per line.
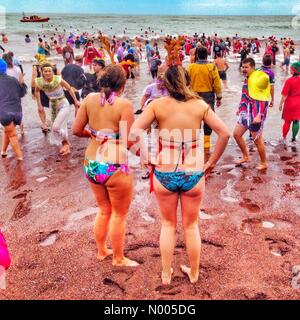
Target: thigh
(102,197)
(239,130)
(10,129)
(191,203)
(62,117)
(120,191)
(167,201)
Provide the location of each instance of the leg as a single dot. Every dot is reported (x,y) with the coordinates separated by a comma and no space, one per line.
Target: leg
(60,130)
(239,131)
(22,129)
(5,144)
(102,220)
(295,129)
(286,129)
(259,141)
(11,133)
(168,202)
(120,190)
(42,115)
(190,206)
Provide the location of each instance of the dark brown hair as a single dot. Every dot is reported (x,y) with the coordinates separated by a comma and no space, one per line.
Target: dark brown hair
(113,80)
(8,59)
(250,61)
(177,81)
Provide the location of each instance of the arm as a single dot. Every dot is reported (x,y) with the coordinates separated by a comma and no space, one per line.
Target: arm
(127,118)
(218,126)
(81,121)
(282,102)
(143,101)
(285,93)
(227,66)
(217,85)
(138,129)
(38,98)
(272,96)
(69,88)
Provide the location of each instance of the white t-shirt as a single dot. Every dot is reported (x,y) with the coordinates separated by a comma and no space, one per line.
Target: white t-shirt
(14,72)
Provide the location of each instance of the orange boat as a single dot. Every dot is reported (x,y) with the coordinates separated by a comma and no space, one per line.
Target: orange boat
(34,19)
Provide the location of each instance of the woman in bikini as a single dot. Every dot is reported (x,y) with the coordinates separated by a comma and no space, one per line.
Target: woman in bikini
(54,87)
(106,164)
(179,170)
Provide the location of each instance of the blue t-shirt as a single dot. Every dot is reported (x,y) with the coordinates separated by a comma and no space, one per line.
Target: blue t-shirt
(148,49)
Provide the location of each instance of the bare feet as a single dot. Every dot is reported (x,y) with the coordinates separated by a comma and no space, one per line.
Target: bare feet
(103,255)
(125,263)
(242,161)
(166,279)
(65,150)
(262,166)
(188,272)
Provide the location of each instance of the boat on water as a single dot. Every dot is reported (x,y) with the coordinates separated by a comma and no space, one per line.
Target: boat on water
(34,19)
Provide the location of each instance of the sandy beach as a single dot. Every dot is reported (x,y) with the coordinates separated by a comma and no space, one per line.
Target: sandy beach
(249,224)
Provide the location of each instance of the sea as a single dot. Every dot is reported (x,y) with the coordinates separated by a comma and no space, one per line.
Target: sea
(133,25)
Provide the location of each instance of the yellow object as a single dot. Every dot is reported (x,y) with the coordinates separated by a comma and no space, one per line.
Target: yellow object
(41,58)
(259,86)
(205,78)
(207,144)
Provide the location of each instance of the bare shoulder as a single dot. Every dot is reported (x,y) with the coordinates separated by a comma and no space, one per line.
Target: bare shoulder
(201,105)
(160,102)
(125,103)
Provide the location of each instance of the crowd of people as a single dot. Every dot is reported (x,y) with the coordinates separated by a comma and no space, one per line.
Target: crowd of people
(177,105)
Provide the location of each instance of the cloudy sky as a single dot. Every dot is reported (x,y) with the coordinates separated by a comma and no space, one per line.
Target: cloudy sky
(171,7)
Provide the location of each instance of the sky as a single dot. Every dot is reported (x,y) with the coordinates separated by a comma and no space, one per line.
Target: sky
(164,7)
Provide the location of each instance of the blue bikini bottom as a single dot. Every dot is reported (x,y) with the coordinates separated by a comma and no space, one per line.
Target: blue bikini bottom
(179,181)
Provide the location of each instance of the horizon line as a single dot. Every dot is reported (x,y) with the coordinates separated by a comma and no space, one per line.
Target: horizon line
(159,15)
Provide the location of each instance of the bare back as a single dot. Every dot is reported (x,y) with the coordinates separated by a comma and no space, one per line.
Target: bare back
(107,119)
(180,122)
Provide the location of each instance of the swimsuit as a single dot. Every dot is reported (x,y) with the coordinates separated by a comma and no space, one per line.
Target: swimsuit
(177,181)
(100,172)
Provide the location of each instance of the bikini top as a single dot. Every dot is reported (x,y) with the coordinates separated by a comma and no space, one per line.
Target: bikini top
(183,146)
(104,137)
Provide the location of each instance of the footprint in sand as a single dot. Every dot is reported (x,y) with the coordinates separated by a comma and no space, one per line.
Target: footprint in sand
(249,226)
(247,204)
(296,277)
(114,284)
(278,247)
(228,194)
(22,209)
(291,172)
(48,239)
(73,221)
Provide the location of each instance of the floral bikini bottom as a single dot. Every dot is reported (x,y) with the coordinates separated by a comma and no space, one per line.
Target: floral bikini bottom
(100,172)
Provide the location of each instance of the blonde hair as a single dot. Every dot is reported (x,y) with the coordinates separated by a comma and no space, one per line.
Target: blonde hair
(177,81)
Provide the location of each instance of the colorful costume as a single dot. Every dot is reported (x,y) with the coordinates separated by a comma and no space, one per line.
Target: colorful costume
(249,109)
(60,108)
(291,111)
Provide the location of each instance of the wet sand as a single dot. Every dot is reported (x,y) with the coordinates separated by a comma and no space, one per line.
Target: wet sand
(250,225)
